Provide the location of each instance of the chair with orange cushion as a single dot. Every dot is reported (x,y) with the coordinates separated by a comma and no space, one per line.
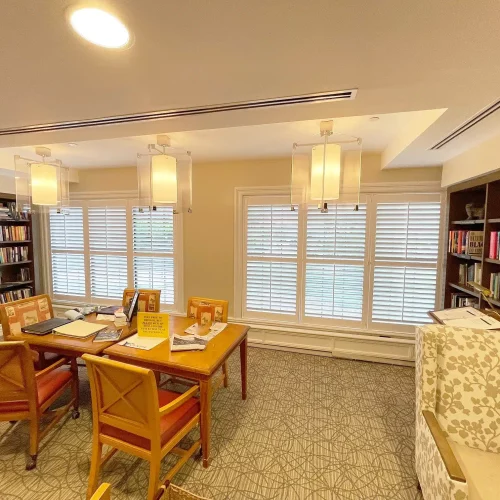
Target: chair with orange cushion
(20,313)
(27,395)
(149,300)
(132,415)
(220,312)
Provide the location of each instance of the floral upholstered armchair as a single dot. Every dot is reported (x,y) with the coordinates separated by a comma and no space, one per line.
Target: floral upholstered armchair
(458,413)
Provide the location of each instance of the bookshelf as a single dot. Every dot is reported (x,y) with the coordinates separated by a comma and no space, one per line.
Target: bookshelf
(485,192)
(17,277)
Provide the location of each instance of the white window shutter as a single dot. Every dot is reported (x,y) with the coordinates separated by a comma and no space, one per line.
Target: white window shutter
(67,246)
(271,265)
(153,246)
(107,228)
(405,268)
(108,276)
(335,253)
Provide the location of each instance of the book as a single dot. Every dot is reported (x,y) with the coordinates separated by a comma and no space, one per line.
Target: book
(475,241)
(466,242)
(80,329)
(108,335)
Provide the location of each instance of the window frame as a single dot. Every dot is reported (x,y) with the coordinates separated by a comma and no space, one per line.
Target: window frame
(129,200)
(370,194)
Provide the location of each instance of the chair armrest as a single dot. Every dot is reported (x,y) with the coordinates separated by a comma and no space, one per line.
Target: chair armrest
(164,410)
(444,448)
(35,356)
(53,366)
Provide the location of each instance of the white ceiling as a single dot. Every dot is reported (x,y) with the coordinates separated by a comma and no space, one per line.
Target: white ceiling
(256,141)
(401,56)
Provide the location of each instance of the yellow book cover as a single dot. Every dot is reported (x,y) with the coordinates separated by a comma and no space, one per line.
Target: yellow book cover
(152,324)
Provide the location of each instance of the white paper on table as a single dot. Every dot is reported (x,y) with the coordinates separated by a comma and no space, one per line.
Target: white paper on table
(215,329)
(481,323)
(458,313)
(104,317)
(145,343)
(187,343)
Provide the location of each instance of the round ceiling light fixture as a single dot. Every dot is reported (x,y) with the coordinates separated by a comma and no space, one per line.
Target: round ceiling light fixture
(100,28)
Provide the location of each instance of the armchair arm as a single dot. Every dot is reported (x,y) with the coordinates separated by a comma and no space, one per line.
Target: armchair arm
(164,410)
(444,448)
(53,366)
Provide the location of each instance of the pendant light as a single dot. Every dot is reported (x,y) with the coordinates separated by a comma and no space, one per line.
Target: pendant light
(317,168)
(44,182)
(164,176)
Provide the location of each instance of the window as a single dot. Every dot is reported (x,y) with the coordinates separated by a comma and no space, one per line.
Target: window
(405,261)
(66,241)
(153,238)
(335,254)
(374,268)
(103,247)
(271,264)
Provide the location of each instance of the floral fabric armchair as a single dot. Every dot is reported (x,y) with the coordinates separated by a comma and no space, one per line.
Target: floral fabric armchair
(458,413)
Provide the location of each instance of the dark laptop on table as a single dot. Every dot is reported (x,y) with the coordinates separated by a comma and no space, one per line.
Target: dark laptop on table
(45,327)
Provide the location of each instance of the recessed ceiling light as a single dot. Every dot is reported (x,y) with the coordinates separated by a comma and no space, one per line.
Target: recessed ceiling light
(100,28)
(72,144)
(374,119)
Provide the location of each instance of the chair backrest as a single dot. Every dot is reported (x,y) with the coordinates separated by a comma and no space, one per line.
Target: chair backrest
(124,396)
(149,300)
(24,312)
(220,307)
(17,374)
(458,379)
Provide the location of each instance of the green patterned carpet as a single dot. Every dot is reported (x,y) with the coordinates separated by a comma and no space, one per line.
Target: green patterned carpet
(313,428)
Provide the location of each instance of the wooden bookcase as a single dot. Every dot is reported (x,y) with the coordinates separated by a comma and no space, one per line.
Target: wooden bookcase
(9,272)
(482,191)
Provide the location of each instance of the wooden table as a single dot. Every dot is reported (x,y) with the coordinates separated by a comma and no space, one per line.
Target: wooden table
(199,366)
(71,346)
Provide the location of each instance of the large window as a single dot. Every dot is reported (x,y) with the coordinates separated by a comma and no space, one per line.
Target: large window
(374,268)
(103,247)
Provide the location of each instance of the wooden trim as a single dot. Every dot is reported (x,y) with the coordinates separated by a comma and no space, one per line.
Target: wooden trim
(444,448)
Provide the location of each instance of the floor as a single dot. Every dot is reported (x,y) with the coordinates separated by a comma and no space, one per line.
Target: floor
(312,428)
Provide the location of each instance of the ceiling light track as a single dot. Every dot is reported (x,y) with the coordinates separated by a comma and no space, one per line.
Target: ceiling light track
(489,110)
(342,95)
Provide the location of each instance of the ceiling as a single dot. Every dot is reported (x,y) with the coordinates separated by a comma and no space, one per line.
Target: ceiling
(401,56)
(255,141)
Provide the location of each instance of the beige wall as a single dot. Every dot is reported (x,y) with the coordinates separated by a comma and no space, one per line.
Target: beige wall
(480,160)
(209,230)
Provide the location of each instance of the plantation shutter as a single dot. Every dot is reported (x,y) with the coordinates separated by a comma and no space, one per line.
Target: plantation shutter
(271,258)
(335,253)
(153,246)
(405,261)
(67,249)
(108,250)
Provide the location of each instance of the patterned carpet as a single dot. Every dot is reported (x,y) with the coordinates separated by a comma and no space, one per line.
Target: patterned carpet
(313,428)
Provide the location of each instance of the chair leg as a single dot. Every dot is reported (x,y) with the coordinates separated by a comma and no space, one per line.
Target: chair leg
(75,389)
(95,465)
(154,475)
(224,371)
(34,438)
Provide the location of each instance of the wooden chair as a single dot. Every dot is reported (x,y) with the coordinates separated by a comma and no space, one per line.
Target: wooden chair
(19,313)
(103,492)
(26,395)
(132,415)
(220,315)
(149,300)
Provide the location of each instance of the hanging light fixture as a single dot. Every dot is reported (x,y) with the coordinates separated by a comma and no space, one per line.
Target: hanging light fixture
(317,168)
(164,176)
(43,183)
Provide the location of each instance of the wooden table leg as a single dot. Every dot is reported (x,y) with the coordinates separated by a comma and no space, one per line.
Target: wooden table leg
(243,358)
(206,419)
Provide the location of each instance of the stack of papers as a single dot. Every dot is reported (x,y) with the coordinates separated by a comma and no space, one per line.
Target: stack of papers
(145,343)
(120,319)
(467,317)
(199,332)
(187,343)
(80,329)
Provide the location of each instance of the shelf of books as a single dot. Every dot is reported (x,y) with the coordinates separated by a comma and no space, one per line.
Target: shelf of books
(473,243)
(17,273)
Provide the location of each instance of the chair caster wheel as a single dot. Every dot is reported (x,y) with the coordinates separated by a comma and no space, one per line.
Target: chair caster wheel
(31,463)
(75,414)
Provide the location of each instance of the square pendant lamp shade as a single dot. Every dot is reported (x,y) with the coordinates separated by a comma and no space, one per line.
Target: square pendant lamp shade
(164,177)
(42,183)
(327,170)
